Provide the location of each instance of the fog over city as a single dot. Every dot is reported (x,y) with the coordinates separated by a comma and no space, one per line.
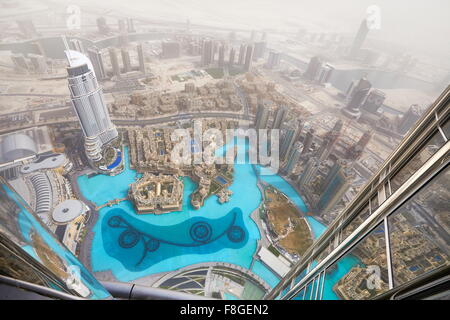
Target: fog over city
(235,149)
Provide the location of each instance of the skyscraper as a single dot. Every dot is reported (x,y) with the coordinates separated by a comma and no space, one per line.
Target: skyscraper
(114,61)
(290,136)
(324,73)
(309,172)
(274,59)
(141,58)
(356,150)
(38,62)
(262,115)
(358,95)
(374,101)
(409,118)
(329,140)
(313,68)
(221,61)
(242,50)
(293,158)
(88,102)
(308,140)
(126,60)
(359,39)
(248,58)
(259,49)
(334,191)
(102,26)
(97,62)
(279,117)
(207,57)
(77,45)
(231,58)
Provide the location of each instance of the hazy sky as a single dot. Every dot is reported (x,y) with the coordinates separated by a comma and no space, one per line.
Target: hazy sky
(416,22)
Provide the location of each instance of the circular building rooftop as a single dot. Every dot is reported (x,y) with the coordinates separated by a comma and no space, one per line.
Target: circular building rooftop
(68,210)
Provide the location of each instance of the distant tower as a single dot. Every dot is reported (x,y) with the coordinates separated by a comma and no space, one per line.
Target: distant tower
(374,101)
(410,118)
(76,45)
(290,136)
(274,59)
(334,191)
(39,63)
(313,68)
(359,39)
(89,104)
(242,50)
(279,117)
(221,61)
(357,98)
(102,26)
(309,172)
(356,150)
(329,140)
(248,58)
(170,49)
(130,25)
(231,58)
(259,49)
(207,53)
(262,116)
(114,61)
(325,73)
(308,140)
(126,60)
(97,62)
(141,58)
(293,158)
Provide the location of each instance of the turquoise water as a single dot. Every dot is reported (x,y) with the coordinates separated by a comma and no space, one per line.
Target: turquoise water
(132,263)
(261,270)
(229,296)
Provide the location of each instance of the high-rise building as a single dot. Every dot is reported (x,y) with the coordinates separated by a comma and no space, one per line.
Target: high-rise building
(334,191)
(114,61)
(170,49)
(259,48)
(359,39)
(248,58)
(141,58)
(126,61)
(292,159)
(313,68)
(97,62)
(38,62)
(274,59)
(262,115)
(19,61)
(231,58)
(130,25)
(409,118)
(290,136)
(76,45)
(356,150)
(207,53)
(89,104)
(221,61)
(102,26)
(357,97)
(241,58)
(280,116)
(309,172)
(374,101)
(329,140)
(307,142)
(325,73)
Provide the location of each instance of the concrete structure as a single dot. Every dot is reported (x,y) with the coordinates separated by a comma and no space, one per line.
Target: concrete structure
(262,115)
(357,95)
(274,59)
(309,172)
(126,61)
(280,116)
(410,118)
(241,58)
(314,66)
(293,158)
(359,39)
(374,101)
(141,58)
(170,50)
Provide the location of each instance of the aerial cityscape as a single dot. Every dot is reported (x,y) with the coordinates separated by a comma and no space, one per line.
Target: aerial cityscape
(172,146)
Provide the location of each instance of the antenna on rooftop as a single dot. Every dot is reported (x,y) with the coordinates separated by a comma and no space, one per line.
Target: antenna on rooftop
(66,45)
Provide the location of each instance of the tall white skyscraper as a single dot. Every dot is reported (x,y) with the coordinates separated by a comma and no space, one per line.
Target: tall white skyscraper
(89,104)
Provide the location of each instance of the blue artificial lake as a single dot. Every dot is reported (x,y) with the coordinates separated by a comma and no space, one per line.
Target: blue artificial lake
(133,246)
